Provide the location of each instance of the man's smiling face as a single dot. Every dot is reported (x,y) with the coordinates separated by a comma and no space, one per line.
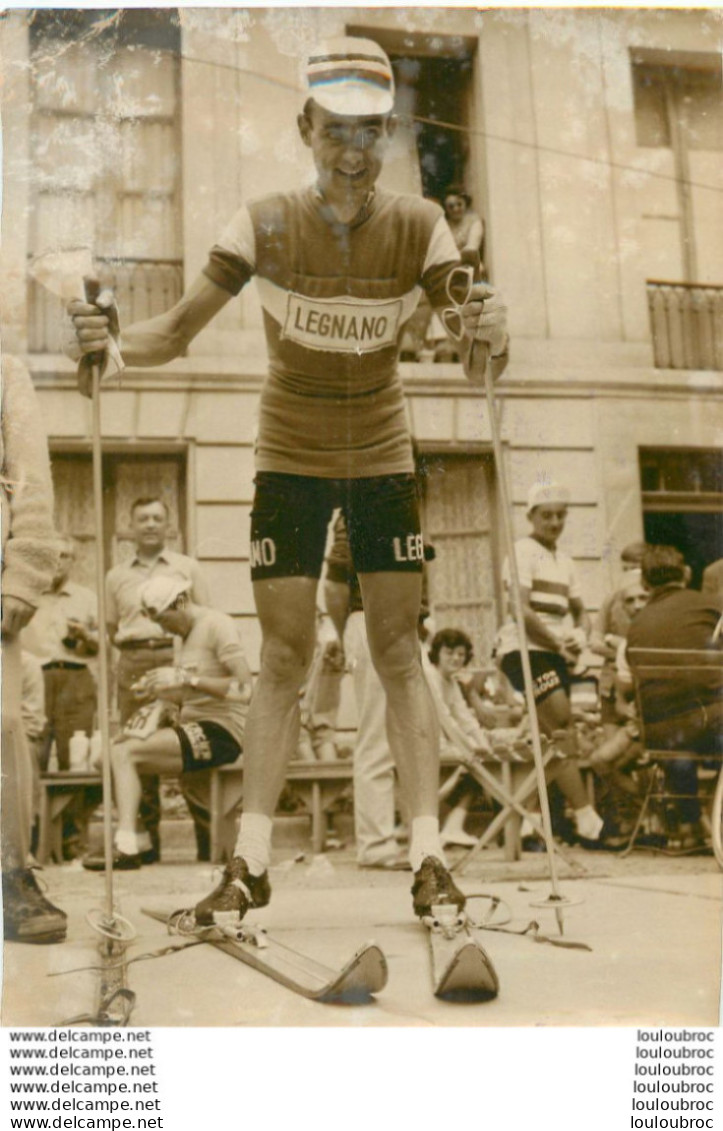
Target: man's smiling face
(348,153)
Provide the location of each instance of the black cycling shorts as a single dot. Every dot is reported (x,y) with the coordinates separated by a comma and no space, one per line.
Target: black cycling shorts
(205,745)
(291,515)
(549,673)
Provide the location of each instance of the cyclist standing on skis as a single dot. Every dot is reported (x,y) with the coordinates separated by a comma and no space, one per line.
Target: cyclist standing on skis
(339,267)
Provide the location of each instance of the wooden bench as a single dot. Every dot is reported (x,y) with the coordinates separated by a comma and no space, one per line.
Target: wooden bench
(57,791)
(318,784)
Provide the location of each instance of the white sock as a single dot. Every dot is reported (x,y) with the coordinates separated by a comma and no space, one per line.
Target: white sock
(588,823)
(254,842)
(424,841)
(455,821)
(127,842)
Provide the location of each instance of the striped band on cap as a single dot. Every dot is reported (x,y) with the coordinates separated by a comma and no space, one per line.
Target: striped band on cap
(351,77)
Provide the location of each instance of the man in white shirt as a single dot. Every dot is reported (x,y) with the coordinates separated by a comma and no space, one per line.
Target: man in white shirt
(142,644)
(63,635)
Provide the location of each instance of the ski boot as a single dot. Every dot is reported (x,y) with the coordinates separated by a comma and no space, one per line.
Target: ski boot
(237,891)
(432,886)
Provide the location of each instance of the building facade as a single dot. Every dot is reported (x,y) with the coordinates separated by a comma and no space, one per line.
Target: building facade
(590,141)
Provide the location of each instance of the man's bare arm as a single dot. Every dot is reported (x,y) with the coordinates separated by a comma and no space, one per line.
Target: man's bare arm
(580,615)
(159,339)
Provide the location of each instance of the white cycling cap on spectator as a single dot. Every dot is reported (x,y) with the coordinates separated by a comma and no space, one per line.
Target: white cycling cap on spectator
(544,494)
(159,593)
(351,76)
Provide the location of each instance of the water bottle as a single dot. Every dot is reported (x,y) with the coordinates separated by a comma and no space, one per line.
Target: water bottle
(78,749)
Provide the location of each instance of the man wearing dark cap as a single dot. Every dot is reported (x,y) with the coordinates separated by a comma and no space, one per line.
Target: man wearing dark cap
(687,713)
(340,267)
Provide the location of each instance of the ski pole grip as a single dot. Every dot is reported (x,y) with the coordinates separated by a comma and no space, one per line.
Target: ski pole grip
(91,286)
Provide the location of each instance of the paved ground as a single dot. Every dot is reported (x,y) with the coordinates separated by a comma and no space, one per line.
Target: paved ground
(653,925)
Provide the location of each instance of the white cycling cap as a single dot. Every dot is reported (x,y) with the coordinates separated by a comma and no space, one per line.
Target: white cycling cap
(159,593)
(351,76)
(544,494)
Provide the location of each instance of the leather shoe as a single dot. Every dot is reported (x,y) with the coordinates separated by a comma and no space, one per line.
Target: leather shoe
(122,861)
(153,856)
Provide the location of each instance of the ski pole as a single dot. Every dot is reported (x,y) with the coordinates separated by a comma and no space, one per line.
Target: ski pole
(481,371)
(92,290)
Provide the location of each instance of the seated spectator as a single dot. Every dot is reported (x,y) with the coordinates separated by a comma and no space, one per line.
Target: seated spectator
(612,759)
(212,684)
(610,627)
(141,645)
(552,602)
(686,714)
(712,583)
(450,651)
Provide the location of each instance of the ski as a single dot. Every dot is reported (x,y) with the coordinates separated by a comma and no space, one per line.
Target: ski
(461,968)
(364,975)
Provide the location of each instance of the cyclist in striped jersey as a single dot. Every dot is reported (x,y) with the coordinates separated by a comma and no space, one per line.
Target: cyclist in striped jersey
(556,627)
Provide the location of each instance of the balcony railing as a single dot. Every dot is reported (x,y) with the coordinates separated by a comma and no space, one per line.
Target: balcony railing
(143,287)
(686,321)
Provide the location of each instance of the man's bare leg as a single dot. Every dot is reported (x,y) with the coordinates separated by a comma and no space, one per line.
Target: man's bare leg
(554,714)
(391,608)
(159,754)
(287,612)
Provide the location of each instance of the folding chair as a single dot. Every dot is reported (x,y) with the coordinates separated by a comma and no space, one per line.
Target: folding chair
(697,728)
(499,775)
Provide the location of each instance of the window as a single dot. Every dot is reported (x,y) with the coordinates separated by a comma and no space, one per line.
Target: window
(433,76)
(683,502)
(458,509)
(672,99)
(678,107)
(125,479)
(105,153)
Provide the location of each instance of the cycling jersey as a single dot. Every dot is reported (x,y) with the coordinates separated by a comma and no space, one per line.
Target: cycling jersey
(335,299)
